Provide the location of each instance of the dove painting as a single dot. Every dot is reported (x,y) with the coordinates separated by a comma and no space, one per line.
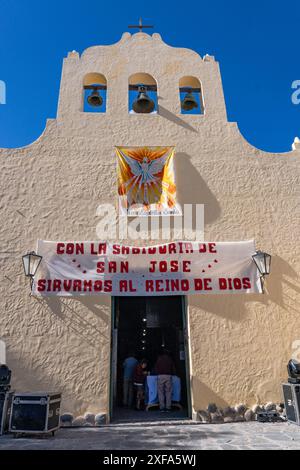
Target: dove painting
(146,182)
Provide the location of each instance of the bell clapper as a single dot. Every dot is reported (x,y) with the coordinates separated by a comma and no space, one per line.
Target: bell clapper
(143,103)
(189,101)
(94,99)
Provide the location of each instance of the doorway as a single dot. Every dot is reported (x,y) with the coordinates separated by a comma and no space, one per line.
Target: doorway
(145,325)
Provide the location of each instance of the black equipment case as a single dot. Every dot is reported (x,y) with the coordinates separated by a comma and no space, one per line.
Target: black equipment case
(291,396)
(35,413)
(5,410)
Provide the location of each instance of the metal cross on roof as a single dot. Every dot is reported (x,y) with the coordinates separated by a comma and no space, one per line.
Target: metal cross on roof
(140,26)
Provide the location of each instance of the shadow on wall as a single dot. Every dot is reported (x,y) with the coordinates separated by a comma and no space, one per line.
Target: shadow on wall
(283,278)
(230,306)
(76,319)
(192,189)
(27,377)
(47,373)
(97,305)
(234,306)
(165,113)
(203,395)
(261,390)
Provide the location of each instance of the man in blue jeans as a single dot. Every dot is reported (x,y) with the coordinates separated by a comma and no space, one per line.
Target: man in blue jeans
(129,366)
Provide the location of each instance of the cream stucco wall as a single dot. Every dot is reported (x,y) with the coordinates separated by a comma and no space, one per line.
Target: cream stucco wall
(51,189)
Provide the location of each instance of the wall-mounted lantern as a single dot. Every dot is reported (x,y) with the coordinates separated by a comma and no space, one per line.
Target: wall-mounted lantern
(31,262)
(263,264)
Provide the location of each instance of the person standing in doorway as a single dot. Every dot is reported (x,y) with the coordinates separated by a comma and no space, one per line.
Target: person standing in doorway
(139,378)
(129,366)
(164,368)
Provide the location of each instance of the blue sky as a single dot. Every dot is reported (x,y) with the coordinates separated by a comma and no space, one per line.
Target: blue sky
(256,43)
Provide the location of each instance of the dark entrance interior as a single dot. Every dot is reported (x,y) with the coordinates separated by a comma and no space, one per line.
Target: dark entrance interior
(145,325)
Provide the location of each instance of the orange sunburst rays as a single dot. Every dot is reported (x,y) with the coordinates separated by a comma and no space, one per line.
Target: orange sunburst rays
(146,175)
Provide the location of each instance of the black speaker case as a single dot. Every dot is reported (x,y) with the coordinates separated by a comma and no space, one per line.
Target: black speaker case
(6,399)
(291,397)
(46,404)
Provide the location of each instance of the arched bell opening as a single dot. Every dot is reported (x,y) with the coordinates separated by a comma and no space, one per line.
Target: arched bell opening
(142,94)
(94,93)
(190,94)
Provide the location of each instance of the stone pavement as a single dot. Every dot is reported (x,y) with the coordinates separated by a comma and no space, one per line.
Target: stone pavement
(165,436)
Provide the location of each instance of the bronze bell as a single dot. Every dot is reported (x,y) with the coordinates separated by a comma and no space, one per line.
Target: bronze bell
(189,102)
(143,104)
(95,99)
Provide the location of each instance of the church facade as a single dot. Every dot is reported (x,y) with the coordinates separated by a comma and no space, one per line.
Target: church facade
(235,346)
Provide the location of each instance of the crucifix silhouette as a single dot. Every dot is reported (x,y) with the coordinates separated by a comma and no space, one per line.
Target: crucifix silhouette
(140,26)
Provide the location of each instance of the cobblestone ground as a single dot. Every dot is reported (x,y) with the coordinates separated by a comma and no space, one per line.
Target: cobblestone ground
(165,436)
